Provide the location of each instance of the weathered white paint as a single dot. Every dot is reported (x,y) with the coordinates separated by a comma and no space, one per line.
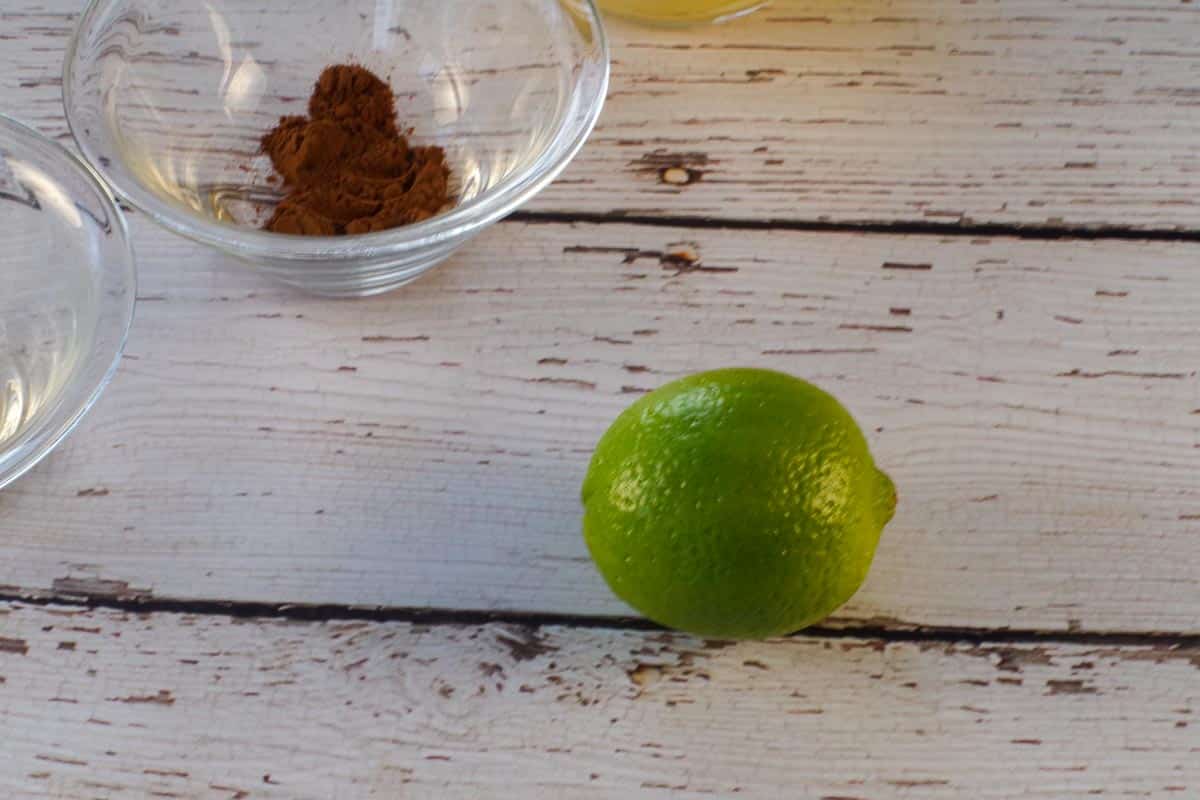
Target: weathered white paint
(1009,111)
(1035,402)
(103,704)
(1044,458)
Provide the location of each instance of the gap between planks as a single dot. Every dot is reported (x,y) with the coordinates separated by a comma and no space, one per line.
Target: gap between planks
(940,229)
(886,630)
(994,230)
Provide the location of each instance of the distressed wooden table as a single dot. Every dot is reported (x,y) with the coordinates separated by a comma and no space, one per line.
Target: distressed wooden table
(311,549)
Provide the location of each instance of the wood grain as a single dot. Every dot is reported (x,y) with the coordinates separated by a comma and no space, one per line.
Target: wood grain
(1035,401)
(104,704)
(1012,112)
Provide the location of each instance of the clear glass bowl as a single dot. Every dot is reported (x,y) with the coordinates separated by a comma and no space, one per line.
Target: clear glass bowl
(66,294)
(168,100)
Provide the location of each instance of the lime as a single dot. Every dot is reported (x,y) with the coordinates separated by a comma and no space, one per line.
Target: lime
(738,503)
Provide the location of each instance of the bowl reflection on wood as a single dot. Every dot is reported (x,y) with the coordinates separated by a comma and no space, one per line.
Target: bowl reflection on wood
(170,100)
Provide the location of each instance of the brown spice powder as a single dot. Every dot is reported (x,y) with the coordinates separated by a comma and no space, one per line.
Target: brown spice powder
(347,167)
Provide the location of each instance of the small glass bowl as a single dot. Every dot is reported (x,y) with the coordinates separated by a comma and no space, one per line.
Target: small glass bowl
(66,294)
(169,101)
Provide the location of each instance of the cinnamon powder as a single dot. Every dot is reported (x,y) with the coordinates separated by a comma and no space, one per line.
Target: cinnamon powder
(347,167)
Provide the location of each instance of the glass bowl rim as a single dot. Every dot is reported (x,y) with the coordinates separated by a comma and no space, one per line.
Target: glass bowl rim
(76,397)
(462,220)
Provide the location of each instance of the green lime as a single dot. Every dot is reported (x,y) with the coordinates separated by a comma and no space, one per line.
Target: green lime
(738,503)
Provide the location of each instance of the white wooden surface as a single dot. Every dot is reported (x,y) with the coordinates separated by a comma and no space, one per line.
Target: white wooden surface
(133,706)
(1034,401)
(1003,111)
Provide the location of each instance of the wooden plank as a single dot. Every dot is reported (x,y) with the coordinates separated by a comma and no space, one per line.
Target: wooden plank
(105,704)
(1035,401)
(1005,111)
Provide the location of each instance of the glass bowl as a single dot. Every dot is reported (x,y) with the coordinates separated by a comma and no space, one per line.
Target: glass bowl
(169,100)
(66,294)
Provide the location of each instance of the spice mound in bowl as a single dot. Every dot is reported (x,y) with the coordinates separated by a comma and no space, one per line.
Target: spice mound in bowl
(347,167)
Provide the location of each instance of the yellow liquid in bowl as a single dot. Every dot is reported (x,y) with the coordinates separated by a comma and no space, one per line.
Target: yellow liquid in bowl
(677,11)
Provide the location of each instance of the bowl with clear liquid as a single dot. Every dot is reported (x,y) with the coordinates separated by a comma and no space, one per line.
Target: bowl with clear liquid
(681,12)
(66,294)
(169,102)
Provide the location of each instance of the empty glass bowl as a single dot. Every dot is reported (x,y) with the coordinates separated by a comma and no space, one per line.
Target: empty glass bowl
(169,101)
(66,294)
